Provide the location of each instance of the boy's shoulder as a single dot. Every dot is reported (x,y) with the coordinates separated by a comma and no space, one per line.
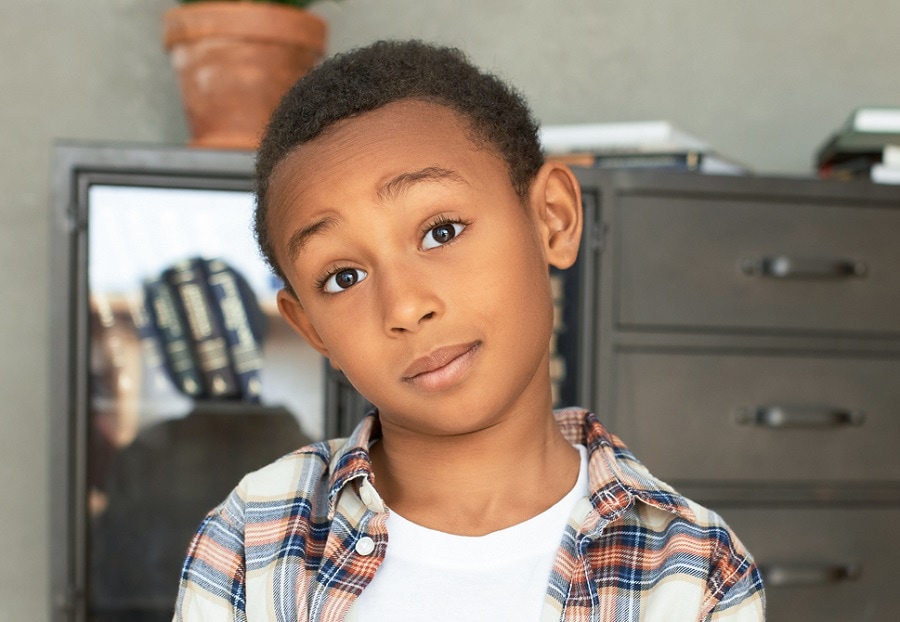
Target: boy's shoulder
(674,540)
(316,471)
(649,520)
(305,464)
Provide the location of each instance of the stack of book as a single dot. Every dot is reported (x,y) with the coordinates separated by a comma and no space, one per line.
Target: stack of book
(639,144)
(854,150)
(888,170)
(557,359)
(206,324)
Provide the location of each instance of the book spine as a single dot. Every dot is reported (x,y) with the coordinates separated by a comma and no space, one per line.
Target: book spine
(155,372)
(557,362)
(178,357)
(684,161)
(855,168)
(188,278)
(233,305)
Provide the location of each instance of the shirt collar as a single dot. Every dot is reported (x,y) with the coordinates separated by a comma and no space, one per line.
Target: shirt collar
(616,476)
(353,461)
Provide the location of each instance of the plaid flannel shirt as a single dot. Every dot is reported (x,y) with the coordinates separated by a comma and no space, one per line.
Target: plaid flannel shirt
(294,542)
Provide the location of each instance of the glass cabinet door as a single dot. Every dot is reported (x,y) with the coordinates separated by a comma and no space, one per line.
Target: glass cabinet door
(177,376)
(172,425)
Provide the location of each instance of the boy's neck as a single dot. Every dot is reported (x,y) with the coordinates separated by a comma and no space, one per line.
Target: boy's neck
(476,483)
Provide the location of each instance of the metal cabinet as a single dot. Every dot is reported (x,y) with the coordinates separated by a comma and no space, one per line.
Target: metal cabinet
(136,462)
(827,563)
(750,416)
(746,263)
(742,336)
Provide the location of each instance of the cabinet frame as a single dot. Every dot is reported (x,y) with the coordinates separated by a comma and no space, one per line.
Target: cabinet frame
(607,339)
(76,167)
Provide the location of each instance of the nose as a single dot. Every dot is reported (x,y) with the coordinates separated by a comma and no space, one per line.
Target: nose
(409,299)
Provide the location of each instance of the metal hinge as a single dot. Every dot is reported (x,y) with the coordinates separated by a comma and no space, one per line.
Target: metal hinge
(597,237)
(76,220)
(68,603)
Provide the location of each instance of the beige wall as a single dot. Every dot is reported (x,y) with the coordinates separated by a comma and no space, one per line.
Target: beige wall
(763,81)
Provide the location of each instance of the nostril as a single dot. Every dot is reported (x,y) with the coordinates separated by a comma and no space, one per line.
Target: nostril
(428,316)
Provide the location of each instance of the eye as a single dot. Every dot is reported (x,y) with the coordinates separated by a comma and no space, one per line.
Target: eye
(441,234)
(343,279)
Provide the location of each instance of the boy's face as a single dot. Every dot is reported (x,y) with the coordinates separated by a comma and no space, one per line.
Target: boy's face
(417,268)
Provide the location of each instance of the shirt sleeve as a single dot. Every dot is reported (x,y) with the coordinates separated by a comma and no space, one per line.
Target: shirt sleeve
(745,601)
(212,587)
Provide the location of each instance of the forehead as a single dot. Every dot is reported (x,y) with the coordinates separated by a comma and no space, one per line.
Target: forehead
(356,157)
(400,131)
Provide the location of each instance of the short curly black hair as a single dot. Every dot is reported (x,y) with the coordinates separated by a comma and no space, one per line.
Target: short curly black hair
(370,77)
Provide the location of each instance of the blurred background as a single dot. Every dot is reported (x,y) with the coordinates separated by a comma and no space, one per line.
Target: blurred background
(764,82)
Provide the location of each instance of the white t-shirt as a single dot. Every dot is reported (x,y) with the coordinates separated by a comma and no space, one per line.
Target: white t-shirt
(435,576)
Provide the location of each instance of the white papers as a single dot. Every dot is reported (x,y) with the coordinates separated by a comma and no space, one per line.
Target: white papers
(878,120)
(637,136)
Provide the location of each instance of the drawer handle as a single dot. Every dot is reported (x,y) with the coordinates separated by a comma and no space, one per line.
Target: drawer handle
(791,575)
(783,267)
(799,417)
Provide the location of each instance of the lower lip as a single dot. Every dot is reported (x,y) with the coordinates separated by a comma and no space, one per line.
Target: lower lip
(447,376)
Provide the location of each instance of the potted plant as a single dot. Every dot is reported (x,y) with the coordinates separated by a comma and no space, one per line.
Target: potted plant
(236,59)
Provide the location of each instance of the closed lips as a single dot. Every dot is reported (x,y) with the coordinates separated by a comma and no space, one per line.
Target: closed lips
(438,359)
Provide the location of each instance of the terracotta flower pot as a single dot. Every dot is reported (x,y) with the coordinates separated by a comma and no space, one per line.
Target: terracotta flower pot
(235,60)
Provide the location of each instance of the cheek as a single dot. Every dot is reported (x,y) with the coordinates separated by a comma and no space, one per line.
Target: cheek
(512,288)
(331,326)
(347,336)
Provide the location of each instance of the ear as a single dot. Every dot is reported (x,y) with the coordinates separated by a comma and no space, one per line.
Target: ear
(555,198)
(295,315)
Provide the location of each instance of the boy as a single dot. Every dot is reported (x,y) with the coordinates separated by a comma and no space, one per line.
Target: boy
(403,199)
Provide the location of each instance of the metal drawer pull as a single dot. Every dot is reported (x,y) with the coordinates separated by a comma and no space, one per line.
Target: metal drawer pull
(791,575)
(799,417)
(783,267)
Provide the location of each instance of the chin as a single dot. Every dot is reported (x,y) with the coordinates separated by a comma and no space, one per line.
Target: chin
(444,417)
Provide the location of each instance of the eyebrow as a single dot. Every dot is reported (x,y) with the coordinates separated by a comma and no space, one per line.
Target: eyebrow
(396,186)
(300,237)
(391,189)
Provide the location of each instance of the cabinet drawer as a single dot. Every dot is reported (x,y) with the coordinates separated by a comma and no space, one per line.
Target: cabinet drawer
(703,416)
(824,564)
(699,263)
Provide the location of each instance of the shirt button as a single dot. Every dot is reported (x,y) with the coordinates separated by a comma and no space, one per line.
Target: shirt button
(365,545)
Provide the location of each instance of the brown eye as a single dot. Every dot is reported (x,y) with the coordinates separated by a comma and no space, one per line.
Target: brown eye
(442,234)
(344,279)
